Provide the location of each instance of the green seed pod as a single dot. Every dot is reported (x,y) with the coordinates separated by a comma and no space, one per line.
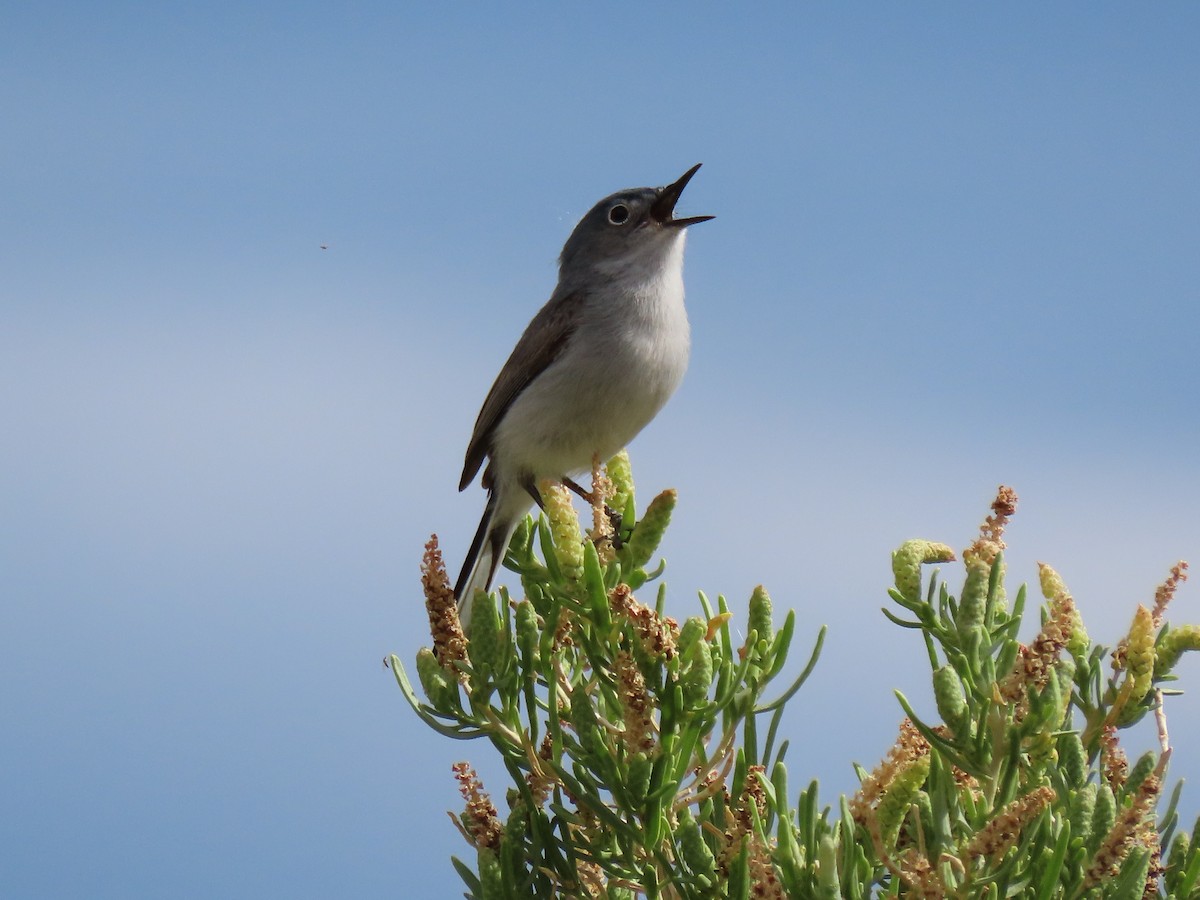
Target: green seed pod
(649,531)
(828,883)
(637,778)
(694,850)
(1046,706)
(440,688)
(759,617)
(697,673)
(951,702)
(516,826)
(898,798)
(694,629)
(907,560)
(924,807)
(1177,858)
(526,628)
(616,892)
(1072,759)
(1173,645)
(1104,815)
(1082,809)
(972,604)
(583,719)
(486,642)
(491,880)
(621,475)
(1138,772)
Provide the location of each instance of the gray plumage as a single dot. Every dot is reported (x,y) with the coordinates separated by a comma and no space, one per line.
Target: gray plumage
(592,368)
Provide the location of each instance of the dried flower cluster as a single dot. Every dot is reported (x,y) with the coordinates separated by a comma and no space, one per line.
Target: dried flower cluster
(1166,591)
(1001,833)
(482,824)
(658,634)
(991,533)
(910,746)
(1128,830)
(1114,764)
(638,708)
(1035,662)
(602,531)
(449,642)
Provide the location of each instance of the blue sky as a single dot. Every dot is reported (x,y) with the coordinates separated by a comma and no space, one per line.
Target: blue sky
(955,246)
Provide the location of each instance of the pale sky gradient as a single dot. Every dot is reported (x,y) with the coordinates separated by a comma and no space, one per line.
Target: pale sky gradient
(955,246)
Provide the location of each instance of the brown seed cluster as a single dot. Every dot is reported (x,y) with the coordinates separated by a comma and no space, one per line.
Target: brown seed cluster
(921,875)
(1129,829)
(658,634)
(602,527)
(1035,663)
(1166,590)
(541,779)
(991,533)
(480,818)
(636,706)
(449,642)
(764,878)
(1114,764)
(995,838)
(1163,595)
(910,746)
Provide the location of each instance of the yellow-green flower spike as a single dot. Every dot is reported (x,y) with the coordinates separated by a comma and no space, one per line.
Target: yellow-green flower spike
(1173,645)
(564,528)
(1051,582)
(650,529)
(1052,585)
(899,797)
(907,561)
(621,475)
(759,617)
(1139,655)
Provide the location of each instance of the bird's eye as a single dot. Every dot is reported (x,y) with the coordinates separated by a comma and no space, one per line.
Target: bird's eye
(619,214)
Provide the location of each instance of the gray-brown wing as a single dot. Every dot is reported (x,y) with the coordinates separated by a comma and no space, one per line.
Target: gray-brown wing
(542,342)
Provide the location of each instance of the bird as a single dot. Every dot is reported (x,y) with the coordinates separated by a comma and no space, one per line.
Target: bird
(591,370)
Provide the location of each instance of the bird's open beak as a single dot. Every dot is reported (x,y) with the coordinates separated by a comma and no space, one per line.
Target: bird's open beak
(663,209)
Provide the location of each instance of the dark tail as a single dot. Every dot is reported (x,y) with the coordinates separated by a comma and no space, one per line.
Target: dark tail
(484,557)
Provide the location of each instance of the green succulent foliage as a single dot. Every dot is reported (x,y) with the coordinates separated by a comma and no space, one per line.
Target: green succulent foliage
(1004,791)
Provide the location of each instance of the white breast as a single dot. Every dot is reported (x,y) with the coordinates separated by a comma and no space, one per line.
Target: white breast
(625,359)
